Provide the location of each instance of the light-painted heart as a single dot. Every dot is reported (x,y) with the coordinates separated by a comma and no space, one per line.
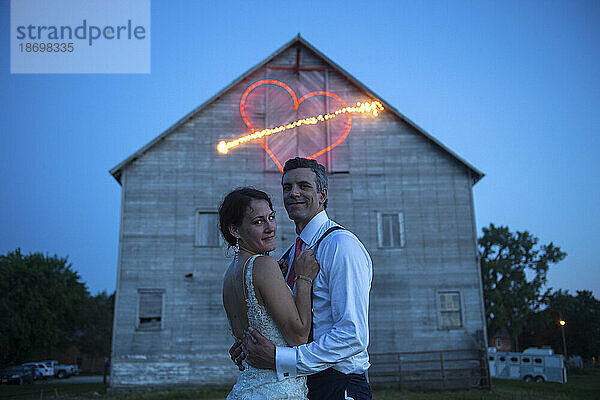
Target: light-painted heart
(295,104)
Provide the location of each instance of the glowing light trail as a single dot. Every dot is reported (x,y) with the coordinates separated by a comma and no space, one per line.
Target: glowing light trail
(373,108)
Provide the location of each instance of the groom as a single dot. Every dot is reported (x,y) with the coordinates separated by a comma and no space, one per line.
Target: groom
(337,359)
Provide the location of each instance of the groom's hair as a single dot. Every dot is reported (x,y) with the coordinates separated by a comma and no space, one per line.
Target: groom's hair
(234,207)
(318,169)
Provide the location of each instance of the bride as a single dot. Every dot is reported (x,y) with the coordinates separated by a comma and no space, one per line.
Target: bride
(255,293)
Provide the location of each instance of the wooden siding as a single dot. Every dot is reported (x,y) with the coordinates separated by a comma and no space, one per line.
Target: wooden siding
(390,167)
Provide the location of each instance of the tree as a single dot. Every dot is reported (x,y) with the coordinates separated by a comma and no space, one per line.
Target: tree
(95,336)
(507,259)
(582,329)
(42,301)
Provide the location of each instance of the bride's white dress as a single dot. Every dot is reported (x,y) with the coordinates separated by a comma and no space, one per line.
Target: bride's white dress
(256,383)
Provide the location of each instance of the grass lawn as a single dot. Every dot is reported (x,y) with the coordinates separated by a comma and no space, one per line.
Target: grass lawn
(48,390)
(582,385)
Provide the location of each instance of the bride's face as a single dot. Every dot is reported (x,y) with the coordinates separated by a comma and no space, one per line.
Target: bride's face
(258,229)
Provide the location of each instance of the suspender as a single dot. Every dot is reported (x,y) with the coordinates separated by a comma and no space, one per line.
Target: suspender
(317,243)
(327,232)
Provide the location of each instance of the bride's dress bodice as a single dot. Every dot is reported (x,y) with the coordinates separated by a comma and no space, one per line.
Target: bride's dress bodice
(254,383)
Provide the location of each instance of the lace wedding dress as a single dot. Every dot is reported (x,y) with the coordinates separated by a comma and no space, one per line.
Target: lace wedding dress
(256,383)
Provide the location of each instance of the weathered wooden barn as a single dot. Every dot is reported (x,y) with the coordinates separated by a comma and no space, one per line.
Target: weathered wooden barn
(402,192)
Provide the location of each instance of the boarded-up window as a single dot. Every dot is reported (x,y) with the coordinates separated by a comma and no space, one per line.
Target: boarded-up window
(390,229)
(150,309)
(450,312)
(207,229)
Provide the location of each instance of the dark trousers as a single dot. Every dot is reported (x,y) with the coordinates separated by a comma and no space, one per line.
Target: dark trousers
(333,385)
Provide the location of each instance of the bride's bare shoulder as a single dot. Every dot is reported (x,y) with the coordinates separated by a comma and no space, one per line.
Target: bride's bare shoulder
(264,261)
(265,266)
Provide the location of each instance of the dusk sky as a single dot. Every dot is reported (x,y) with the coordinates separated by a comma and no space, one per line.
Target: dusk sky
(512,87)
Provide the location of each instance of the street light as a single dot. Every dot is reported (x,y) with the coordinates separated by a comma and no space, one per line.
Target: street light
(562,323)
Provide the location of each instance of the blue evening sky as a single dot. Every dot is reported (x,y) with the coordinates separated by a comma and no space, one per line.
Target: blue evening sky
(513,87)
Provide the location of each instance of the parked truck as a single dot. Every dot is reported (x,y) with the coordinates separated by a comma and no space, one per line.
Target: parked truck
(59,370)
(533,364)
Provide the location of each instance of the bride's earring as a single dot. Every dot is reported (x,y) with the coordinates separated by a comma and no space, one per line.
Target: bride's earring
(236,248)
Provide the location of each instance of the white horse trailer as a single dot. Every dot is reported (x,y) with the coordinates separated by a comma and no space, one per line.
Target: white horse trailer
(533,364)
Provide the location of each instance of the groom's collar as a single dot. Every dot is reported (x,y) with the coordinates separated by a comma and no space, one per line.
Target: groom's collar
(312,228)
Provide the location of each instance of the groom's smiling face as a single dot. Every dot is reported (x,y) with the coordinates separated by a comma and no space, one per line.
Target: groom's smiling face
(301,198)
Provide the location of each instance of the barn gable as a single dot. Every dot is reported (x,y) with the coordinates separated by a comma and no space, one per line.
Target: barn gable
(296,51)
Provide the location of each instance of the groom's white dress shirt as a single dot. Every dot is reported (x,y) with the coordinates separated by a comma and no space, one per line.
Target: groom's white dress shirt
(340,305)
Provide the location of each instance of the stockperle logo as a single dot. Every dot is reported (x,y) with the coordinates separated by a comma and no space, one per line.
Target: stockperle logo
(80,36)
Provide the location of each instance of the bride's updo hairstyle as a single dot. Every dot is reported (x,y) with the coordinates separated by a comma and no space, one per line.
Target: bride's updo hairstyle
(234,206)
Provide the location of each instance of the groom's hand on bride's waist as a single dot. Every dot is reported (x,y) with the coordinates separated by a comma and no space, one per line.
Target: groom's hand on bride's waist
(260,351)
(237,354)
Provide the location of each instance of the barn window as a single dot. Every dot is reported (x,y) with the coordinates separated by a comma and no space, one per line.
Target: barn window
(450,312)
(150,309)
(390,229)
(207,229)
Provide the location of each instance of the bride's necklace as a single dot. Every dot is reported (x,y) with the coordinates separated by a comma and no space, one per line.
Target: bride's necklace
(236,257)
(252,253)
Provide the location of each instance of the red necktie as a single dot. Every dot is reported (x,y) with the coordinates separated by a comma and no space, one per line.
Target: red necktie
(292,274)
